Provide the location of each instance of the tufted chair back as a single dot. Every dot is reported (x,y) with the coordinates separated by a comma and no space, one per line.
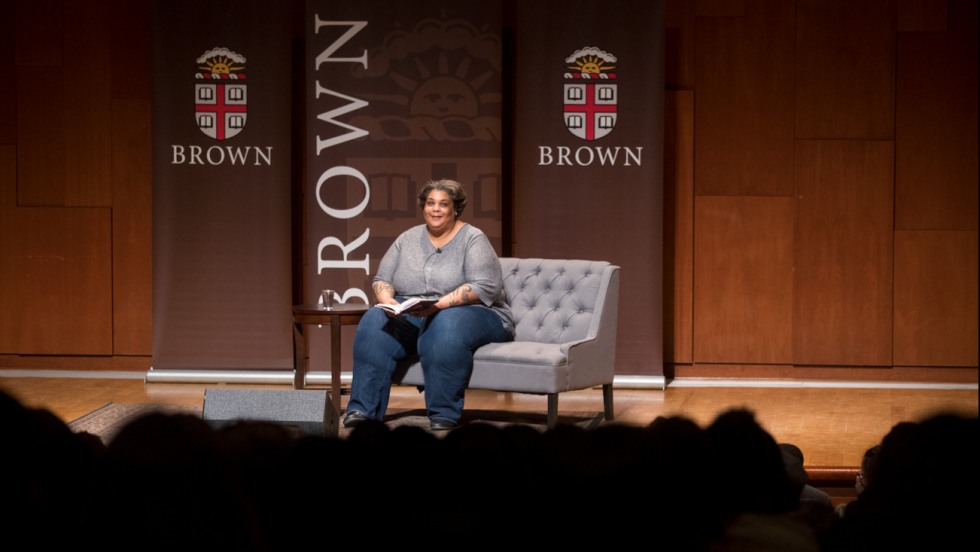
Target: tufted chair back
(552,300)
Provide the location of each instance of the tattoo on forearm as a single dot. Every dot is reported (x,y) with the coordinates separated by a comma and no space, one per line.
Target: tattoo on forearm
(381,288)
(460,295)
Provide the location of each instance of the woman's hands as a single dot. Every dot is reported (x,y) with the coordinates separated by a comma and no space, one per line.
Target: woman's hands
(463,295)
(384,293)
(430,310)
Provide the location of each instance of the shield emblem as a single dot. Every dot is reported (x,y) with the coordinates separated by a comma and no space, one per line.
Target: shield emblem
(221,108)
(590,106)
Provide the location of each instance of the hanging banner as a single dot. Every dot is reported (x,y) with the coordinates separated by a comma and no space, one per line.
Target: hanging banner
(221,185)
(588,162)
(397,93)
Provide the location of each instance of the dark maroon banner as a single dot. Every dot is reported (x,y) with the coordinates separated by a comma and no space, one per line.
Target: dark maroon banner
(221,185)
(589,152)
(397,93)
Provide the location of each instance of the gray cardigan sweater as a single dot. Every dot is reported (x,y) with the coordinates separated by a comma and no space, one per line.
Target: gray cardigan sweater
(417,269)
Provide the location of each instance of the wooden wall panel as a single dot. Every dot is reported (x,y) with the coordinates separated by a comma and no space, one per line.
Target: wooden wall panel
(743,279)
(845,69)
(131,48)
(842,311)
(60,294)
(679,32)
(750,289)
(63,114)
(936,139)
(679,226)
(921,15)
(8,79)
(9,235)
(8,104)
(85,106)
(936,303)
(41,136)
(8,30)
(745,79)
(39,31)
(720,8)
(132,229)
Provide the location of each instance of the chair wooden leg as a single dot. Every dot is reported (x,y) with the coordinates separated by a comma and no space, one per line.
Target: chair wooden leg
(552,410)
(300,361)
(607,401)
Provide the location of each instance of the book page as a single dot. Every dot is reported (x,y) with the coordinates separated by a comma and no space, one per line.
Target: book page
(409,306)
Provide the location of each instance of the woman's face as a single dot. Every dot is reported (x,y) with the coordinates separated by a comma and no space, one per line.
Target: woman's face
(438,212)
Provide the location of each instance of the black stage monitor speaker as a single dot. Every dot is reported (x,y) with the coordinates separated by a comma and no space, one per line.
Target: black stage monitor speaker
(309,410)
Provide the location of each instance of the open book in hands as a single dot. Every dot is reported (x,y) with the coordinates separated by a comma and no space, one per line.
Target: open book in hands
(409,306)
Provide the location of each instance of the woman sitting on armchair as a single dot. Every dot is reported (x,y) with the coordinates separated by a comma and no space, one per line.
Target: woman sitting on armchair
(445,259)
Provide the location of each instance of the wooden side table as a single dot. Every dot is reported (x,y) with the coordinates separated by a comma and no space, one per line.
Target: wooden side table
(340,315)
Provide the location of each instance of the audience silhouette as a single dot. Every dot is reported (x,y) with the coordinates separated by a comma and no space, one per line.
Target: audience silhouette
(921,495)
(869,461)
(758,498)
(169,476)
(816,507)
(49,473)
(173,481)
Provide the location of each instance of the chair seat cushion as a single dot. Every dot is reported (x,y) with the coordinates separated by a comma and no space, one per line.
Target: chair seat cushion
(522,366)
(522,352)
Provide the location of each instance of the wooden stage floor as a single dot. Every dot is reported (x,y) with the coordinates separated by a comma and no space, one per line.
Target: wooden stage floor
(832,425)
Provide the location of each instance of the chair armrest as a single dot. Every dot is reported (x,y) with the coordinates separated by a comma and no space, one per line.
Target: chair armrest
(592,361)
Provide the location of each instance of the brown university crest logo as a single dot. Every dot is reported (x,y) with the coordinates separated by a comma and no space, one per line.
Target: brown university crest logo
(220,94)
(590,93)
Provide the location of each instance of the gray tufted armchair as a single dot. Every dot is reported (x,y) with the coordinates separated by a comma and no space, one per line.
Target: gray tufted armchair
(565,338)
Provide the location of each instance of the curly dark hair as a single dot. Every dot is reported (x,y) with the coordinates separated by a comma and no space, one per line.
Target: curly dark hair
(451,187)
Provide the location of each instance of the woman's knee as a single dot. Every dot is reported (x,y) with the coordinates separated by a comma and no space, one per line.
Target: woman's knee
(375,321)
(378,334)
(460,328)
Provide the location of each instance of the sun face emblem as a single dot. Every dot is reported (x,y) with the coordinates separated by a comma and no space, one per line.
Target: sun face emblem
(445,90)
(443,96)
(592,65)
(220,65)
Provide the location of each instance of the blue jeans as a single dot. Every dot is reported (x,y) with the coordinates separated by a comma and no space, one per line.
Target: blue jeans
(444,342)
